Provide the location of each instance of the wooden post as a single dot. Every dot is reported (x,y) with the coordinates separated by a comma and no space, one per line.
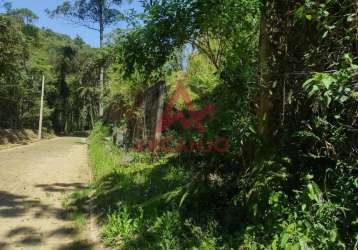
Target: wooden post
(41,107)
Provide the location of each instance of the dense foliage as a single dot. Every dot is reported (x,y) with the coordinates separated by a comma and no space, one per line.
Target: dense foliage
(69,66)
(283,77)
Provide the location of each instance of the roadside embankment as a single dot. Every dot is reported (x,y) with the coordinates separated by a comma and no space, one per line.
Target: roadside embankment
(13,137)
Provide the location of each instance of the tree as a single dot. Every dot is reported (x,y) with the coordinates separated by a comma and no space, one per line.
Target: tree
(23,14)
(279,55)
(6,5)
(95,15)
(215,28)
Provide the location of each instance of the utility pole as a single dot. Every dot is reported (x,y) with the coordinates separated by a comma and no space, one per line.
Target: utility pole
(41,106)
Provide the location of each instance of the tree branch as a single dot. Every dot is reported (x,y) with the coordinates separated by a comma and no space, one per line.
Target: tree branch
(77,22)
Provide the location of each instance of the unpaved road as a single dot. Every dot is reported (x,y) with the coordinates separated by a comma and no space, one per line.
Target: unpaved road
(34,180)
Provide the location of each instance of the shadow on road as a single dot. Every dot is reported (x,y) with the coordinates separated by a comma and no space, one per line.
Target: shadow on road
(14,205)
(61,187)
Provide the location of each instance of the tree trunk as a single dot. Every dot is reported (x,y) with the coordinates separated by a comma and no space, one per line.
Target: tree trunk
(273,66)
(101,76)
(265,103)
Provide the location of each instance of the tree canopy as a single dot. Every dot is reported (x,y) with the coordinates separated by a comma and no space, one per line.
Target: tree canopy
(282,76)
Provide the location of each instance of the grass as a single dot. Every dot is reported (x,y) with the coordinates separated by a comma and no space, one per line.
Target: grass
(77,206)
(134,200)
(138,200)
(161,203)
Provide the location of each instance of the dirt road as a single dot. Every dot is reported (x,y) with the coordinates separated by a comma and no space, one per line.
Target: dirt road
(34,180)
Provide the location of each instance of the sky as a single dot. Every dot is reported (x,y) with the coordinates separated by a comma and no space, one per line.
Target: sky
(61,26)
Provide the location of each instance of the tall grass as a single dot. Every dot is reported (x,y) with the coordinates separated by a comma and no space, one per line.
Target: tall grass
(103,156)
(139,203)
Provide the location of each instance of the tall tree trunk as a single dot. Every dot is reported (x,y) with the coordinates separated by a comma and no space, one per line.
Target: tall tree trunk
(273,65)
(265,103)
(101,76)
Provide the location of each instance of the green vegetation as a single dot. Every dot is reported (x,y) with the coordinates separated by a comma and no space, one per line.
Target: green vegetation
(283,77)
(284,87)
(149,203)
(94,15)
(139,199)
(27,53)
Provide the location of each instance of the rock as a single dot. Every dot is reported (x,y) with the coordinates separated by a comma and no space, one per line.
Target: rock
(126,161)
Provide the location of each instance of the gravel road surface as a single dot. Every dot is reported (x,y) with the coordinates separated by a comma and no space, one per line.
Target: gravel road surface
(34,180)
